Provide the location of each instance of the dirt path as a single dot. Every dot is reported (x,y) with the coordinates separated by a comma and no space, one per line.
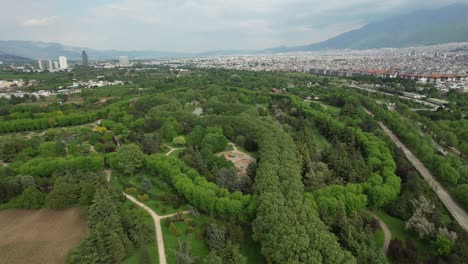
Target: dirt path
(171,149)
(387,233)
(157,224)
(91,148)
(457,212)
(156,219)
(234,147)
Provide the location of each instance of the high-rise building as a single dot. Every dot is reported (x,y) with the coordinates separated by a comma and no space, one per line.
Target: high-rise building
(39,63)
(51,66)
(123,61)
(63,62)
(56,65)
(84,56)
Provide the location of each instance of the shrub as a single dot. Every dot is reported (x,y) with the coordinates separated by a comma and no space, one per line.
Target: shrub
(174,230)
(180,141)
(142,197)
(130,190)
(145,257)
(199,235)
(189,230)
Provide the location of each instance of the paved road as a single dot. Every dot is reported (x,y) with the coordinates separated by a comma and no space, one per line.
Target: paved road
(387,233)
(457,212)
(156,219)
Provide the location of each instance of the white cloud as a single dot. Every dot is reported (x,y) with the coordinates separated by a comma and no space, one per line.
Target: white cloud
(194,25)
(35,22)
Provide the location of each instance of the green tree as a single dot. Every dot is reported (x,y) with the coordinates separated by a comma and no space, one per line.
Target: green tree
(195,137)
(231,254)
(215,236)
(86,193)
(184,253)
(128,159)
(31,198)
(212,258)
(443,245)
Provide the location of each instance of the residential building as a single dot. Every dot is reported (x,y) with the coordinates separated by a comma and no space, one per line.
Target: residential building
(123,61)
(63,62)
(84,56)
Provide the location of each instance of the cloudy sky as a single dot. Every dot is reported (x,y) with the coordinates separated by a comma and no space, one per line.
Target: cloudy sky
(193,25)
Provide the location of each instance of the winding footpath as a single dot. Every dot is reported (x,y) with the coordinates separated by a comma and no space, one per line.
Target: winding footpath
(156,219)
(457,212)
(387,233)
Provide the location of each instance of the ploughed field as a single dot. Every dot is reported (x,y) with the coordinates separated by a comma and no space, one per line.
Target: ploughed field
(39,236)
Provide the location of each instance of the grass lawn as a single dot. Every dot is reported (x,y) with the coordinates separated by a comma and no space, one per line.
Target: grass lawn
(134,257)
(332,109)
(249,248)
(158,191)
(171,242)
(379,237)
(322,142)
(397,227)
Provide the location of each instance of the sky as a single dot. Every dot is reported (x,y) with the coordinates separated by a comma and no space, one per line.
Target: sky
(194,25)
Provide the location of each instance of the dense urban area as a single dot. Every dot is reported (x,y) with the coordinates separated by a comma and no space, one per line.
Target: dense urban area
(318,157)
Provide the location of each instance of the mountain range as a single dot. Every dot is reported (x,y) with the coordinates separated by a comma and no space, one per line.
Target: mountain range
(423,27)
(419,28)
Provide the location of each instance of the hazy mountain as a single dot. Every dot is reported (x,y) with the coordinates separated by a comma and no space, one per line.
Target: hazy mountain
(9,58)
(47,50)
(425,27)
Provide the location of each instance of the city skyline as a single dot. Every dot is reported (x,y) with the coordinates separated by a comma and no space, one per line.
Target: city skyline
(194,26)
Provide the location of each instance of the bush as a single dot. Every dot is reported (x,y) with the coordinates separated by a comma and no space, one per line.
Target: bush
(142,197)
(145,257)
(180,141)
(174,230)
(31,198)
(395,249)
(130,190)
(461,194)
(189,230)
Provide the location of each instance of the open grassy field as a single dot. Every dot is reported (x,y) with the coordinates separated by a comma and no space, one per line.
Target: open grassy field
(39,236)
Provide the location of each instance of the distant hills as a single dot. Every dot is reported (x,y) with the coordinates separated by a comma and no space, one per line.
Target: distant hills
(8,58)
(424,27)
(48,50)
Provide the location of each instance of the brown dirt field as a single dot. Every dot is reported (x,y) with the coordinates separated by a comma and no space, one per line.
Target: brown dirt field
(39,236)
(240,159)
